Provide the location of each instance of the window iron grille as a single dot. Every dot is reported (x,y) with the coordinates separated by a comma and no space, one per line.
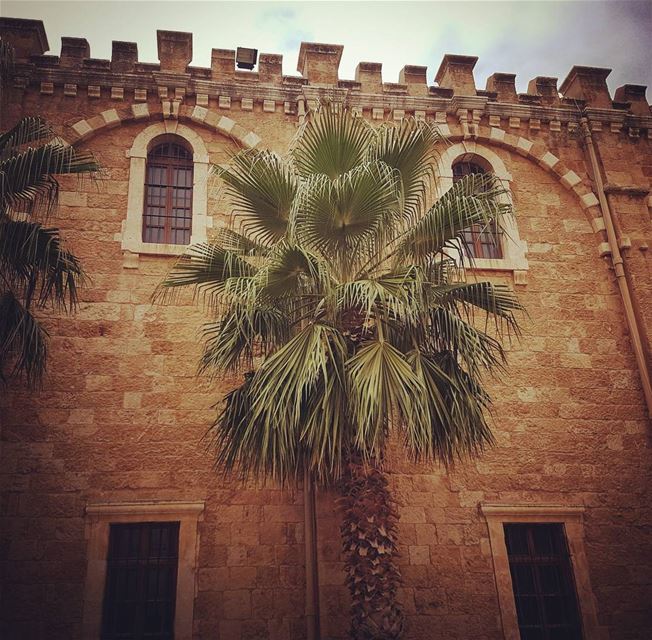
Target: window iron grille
(167,216)
(480,240)
(542,580)
(141,581)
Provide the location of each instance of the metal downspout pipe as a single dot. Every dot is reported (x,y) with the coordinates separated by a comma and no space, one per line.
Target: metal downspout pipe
(619,269)
(313,631)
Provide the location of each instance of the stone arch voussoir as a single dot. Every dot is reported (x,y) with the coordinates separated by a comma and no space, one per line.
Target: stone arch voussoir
(86,128)
(544,158)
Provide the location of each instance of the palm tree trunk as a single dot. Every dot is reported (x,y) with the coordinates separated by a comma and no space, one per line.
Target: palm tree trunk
(313,631)
(369,542)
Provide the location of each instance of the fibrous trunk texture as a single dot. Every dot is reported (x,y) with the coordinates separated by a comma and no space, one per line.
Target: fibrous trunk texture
(369,542)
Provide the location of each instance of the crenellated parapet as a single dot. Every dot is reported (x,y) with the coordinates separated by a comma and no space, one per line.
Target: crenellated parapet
(453,99)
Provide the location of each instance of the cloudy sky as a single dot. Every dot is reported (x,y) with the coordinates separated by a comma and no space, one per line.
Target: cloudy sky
(543,38)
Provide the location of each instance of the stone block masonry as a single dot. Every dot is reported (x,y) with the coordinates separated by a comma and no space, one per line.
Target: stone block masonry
(121,417)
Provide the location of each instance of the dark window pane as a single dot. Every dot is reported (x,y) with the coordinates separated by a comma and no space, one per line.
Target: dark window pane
(140,591)
(523,579)
(480,241)
(542,579)
(550,578)
(543,540)
(528,611)
(554,610)
(516,540)
(168,194)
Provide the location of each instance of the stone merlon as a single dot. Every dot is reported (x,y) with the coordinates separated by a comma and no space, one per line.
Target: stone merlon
(174,50)
(415,78)
(456,72)
(27,37)
(74,51)
(588,84)
(545,87)
(634,94)
(504,84)
(318,64)
(370,76)
(124,56)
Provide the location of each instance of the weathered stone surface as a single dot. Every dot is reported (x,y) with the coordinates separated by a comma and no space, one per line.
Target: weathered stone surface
(122,416)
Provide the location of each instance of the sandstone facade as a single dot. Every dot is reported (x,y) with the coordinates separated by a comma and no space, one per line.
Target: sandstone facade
(117,430)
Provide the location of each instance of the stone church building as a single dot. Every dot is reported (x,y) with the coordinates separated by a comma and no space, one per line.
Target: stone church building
(105,472)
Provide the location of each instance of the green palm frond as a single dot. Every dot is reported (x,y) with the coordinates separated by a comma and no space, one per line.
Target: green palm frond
(325,434)
(332,142)
(393,295)
(34,264)
(235,242)
(35,268)
(346,218)
(27,177)
(23,341)
(292,271)
(206,268)
(384,390)
(411,149)
(474,199)
(246,447)
(261,187)
(242,334)
(496,300)
(456,406)
(448,332)
(292,372)
(340,281)
(26,130)
(260,429)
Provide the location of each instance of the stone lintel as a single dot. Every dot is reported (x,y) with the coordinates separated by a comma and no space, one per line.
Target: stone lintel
(634,94)
(456,72)
(27,37)
(174,50)
(638,191)
(170,79)
(395,88)
(244,75)
(96,64)
(589,84)
(504,84)
(440,92)
(490,95)
(526,98)
(370,76)
(472,103)
(319,62)
(73,51)
(352,85)
(415,78)
(294,81)
(124,56)
(605,115)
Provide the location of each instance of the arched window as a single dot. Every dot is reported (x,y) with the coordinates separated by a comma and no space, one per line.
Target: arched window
(167,202)
(167,214)
(512,250)
(481,240)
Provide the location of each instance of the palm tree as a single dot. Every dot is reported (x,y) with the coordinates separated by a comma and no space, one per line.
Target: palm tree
(342,301)
(35,269)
